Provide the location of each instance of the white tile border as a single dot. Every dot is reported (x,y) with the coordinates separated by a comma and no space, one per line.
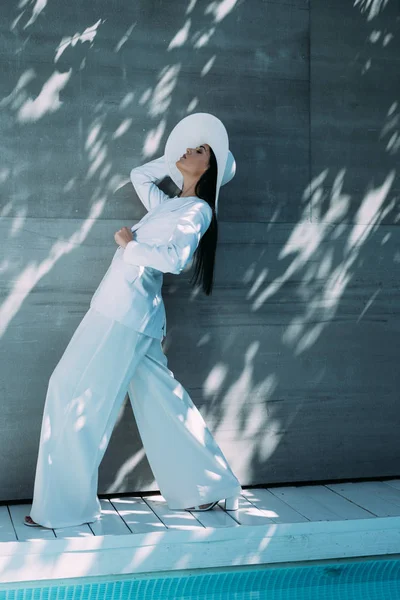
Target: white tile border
(201,548)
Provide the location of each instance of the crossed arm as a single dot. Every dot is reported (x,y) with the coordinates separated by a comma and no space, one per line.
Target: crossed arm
(178,251)
(174,255)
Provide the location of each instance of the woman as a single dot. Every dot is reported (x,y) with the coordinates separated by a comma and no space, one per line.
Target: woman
(117,348)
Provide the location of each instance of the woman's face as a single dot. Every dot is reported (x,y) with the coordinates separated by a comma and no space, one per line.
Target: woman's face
(195,161)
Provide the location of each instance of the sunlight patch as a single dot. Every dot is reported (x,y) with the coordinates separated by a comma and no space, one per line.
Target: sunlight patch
(192,105)
(180,37)
(153,139)
(48,100)
(191,6)
(162,93)
(195,425)
(204,39)
(221,9)
(179,391)
(80,422)
(46,428)
(37,9)
(213,475)
(215,380)
(123,128)
(87,36)
(124,38)
(221,461)
(207,67)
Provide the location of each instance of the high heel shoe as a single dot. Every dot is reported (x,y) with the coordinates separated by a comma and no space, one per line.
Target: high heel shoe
(231,503)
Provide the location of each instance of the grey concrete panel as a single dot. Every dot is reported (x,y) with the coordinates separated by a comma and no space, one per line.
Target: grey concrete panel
(267,353)
(105,89)
(355,90)
(293,359)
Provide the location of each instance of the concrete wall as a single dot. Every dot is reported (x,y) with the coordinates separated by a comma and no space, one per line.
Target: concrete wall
(292,361)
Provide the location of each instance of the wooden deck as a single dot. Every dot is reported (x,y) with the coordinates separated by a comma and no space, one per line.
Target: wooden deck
(273,525)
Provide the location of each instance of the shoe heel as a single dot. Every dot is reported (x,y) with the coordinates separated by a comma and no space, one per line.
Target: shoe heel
(231,503)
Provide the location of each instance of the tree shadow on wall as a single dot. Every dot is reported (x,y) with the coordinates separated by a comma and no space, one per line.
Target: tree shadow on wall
(92,92)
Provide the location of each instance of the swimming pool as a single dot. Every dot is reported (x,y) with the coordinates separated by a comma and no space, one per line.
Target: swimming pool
(358,580)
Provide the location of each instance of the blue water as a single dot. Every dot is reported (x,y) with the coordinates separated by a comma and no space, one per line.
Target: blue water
(369,580)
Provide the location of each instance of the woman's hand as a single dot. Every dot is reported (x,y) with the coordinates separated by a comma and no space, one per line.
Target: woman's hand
(123,236)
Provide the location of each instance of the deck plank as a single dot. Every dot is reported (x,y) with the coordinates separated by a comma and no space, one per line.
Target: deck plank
(319,503)
(387,492)
(259,506)
(217,517)
(74,531)
(393,483)
(136,514)
(381,500)
(7,532)
(343,508)
(248,514)
(111,522)
(172,519)
(273,507)
(25,533)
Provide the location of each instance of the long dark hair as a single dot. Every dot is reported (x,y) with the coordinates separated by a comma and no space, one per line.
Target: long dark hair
(204,256)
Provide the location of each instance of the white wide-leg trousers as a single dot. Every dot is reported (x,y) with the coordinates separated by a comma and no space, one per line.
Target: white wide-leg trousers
(102,362)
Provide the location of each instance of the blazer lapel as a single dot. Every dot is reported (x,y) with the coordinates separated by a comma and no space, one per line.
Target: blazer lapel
(142,221)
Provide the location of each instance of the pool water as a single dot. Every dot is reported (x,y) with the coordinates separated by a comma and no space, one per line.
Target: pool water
(366,580)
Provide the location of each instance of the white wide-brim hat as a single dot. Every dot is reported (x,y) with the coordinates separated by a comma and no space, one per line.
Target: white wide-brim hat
(192,131)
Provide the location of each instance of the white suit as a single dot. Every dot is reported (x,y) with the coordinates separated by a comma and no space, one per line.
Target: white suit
(164,242)
(117,349)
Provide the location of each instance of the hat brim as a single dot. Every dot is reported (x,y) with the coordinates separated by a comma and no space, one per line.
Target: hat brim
(192,131)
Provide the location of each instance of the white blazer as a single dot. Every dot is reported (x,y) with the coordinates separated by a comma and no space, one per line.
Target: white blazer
(164,241)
